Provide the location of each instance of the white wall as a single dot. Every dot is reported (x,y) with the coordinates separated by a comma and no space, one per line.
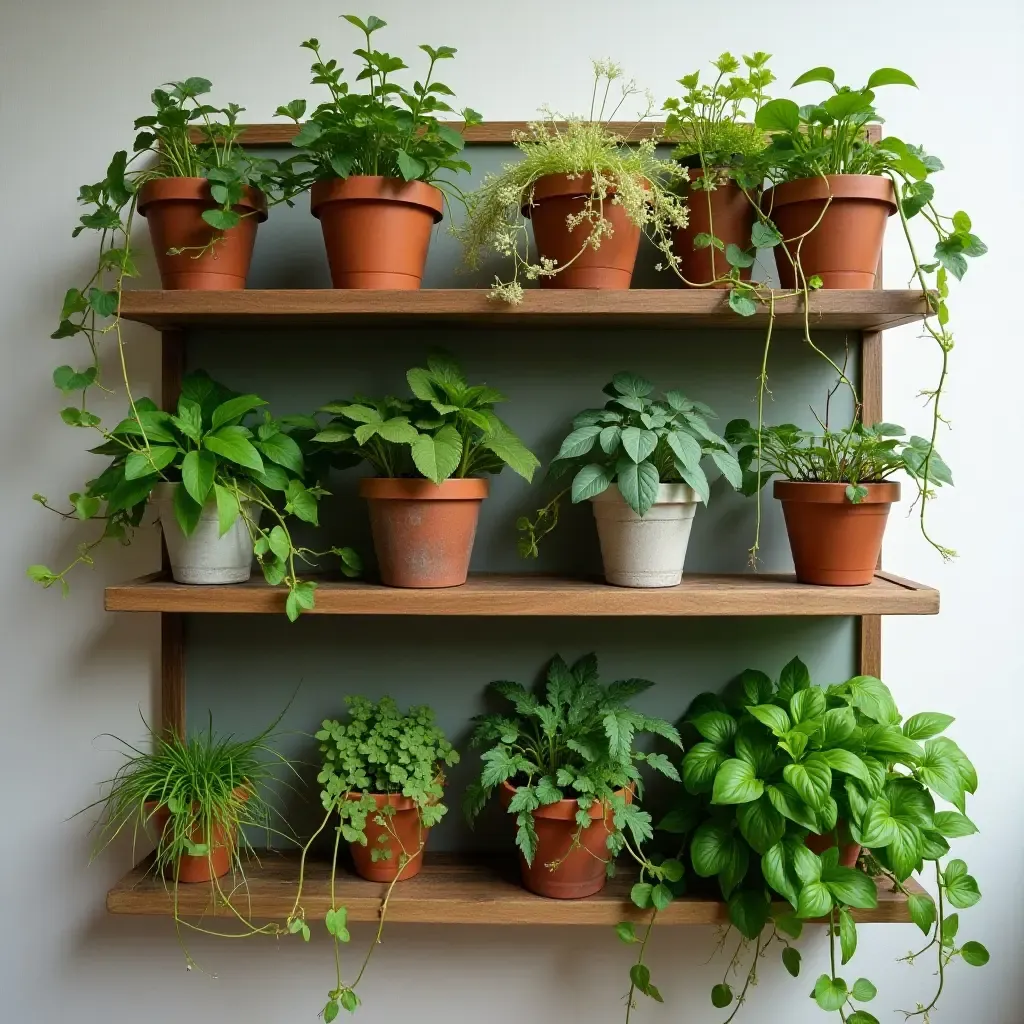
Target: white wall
(72,76)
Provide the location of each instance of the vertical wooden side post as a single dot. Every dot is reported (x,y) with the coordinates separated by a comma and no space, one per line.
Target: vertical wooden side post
(871,397)
(172,626)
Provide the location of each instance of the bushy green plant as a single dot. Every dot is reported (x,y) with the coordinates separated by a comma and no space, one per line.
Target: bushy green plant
(207,448)
(377,750)
(623,173)
(448,428)
(387,130)
(635,443)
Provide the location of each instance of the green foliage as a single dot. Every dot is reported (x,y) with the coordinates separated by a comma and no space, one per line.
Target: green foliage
(623,174)
(446,429)
(387,130)
(206,447)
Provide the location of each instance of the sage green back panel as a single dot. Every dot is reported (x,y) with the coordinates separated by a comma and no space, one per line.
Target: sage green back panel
(244,669)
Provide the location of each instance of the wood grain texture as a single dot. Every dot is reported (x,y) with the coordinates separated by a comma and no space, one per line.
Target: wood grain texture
(663,307)
(507,595)
(451,889)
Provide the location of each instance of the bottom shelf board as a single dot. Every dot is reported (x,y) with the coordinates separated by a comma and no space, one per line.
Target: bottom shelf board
(451,889)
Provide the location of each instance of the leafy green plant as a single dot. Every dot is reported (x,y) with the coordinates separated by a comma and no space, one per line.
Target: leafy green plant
(778,761)
(447,429)
(378,750)
(635,443)
(388,130)
(622,173)
(856,456)
(209,786)
(207,448)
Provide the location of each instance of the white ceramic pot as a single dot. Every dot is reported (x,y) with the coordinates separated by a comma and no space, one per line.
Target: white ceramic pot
(645,551)
(205,557)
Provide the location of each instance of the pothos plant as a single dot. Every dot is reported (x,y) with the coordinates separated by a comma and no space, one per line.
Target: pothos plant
(447,429)
(387,130)
(624,173)
(777,762)
(832,137)
(635,443)
(378,750)
(208,449)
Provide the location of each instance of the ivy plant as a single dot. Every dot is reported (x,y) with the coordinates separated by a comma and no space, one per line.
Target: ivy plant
(207,447)
(377,750)
(387,130)
(447,428)
(635,443)
(776,761)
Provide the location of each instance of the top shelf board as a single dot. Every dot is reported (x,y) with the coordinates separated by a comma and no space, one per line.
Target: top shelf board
(678,308)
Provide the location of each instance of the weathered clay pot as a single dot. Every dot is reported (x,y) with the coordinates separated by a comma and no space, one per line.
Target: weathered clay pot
(406,823)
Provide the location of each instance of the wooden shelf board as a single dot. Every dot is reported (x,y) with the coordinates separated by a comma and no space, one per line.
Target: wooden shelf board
(668,307)
(500,595)
(451,889)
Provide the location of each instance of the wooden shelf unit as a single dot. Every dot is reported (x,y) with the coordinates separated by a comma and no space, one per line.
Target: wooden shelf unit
(505,596)
(451,889)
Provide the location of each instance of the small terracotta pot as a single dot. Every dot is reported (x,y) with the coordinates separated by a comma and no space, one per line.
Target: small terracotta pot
(556,197)
(834,542)
(202,868)
(423,532)
(724,212)
(376,230)
(582,873)
(845,247)
(174,208)
(848,852)
(406,823)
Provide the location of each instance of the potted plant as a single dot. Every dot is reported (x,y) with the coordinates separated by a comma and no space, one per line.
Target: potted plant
(568,773)
(784,768)
(374,163)
(714,138)
(383,780)
(837,489)
(588,192)
(429,455)
(210,478)
(638,461)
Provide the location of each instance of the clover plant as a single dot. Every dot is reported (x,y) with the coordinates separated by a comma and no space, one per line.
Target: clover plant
(448,428)
(635,443)
(377,750)
(388,130)
(207,448)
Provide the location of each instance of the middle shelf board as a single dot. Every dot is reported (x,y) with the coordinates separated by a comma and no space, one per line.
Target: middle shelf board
(836,310)
(523,595)
(451,889)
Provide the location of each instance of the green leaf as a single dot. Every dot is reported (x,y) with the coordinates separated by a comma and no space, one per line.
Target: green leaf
(711,849)
(736,783)
(730,468)
(437,456)
(773,867)
(85,506)
(739,301)
(791,960)
(889,76)
(410,166)
(301,597)
(821,74)
(626,931)
(852,887)
(863,991)
(974,954)
(847,935)
(639,443)
(640,894)
(590,481)
(221,220)
(760,824)
(141,464)
(830,993)
(300,502)
(778,116)
(736,257)
(954,825)
(845,761)
(772,716)
(721,996)
(186,511)
(103,303)
(197,472)
(717,727)
(231,445)
(922,910)
(231,411)
(926,725)
(811,781)
(685,447)
(814,901)
(861,1017)
(638,484)
(764,236)
(331,1011)
(661,896)
(227,508)
(68,380)
(961,888)
(700,765)
(696,479)
(749,911)
(578,443)
(284,450)
(631,386)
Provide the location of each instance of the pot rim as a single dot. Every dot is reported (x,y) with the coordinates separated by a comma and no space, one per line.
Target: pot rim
(385,488)
(377,188)
(887,492)
(158,190)
(562,184)
(565,810)
(668,494)
(870,187)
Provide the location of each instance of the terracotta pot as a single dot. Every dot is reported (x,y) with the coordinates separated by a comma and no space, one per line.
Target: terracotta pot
(203,868)
(423,532)
(406,823)
(834,542)
(582,873)
(556,197)
(174,209)
(848,852)
(845,247)
(376,230)
(724,212)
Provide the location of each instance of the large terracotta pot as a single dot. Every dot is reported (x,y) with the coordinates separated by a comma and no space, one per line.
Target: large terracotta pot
(845,247)
(376,230)
(423,532)
(406,824)
(834,542)
(849,852)
(203,868)
(174,209)
(557,197)
(582,873)
(724,212)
